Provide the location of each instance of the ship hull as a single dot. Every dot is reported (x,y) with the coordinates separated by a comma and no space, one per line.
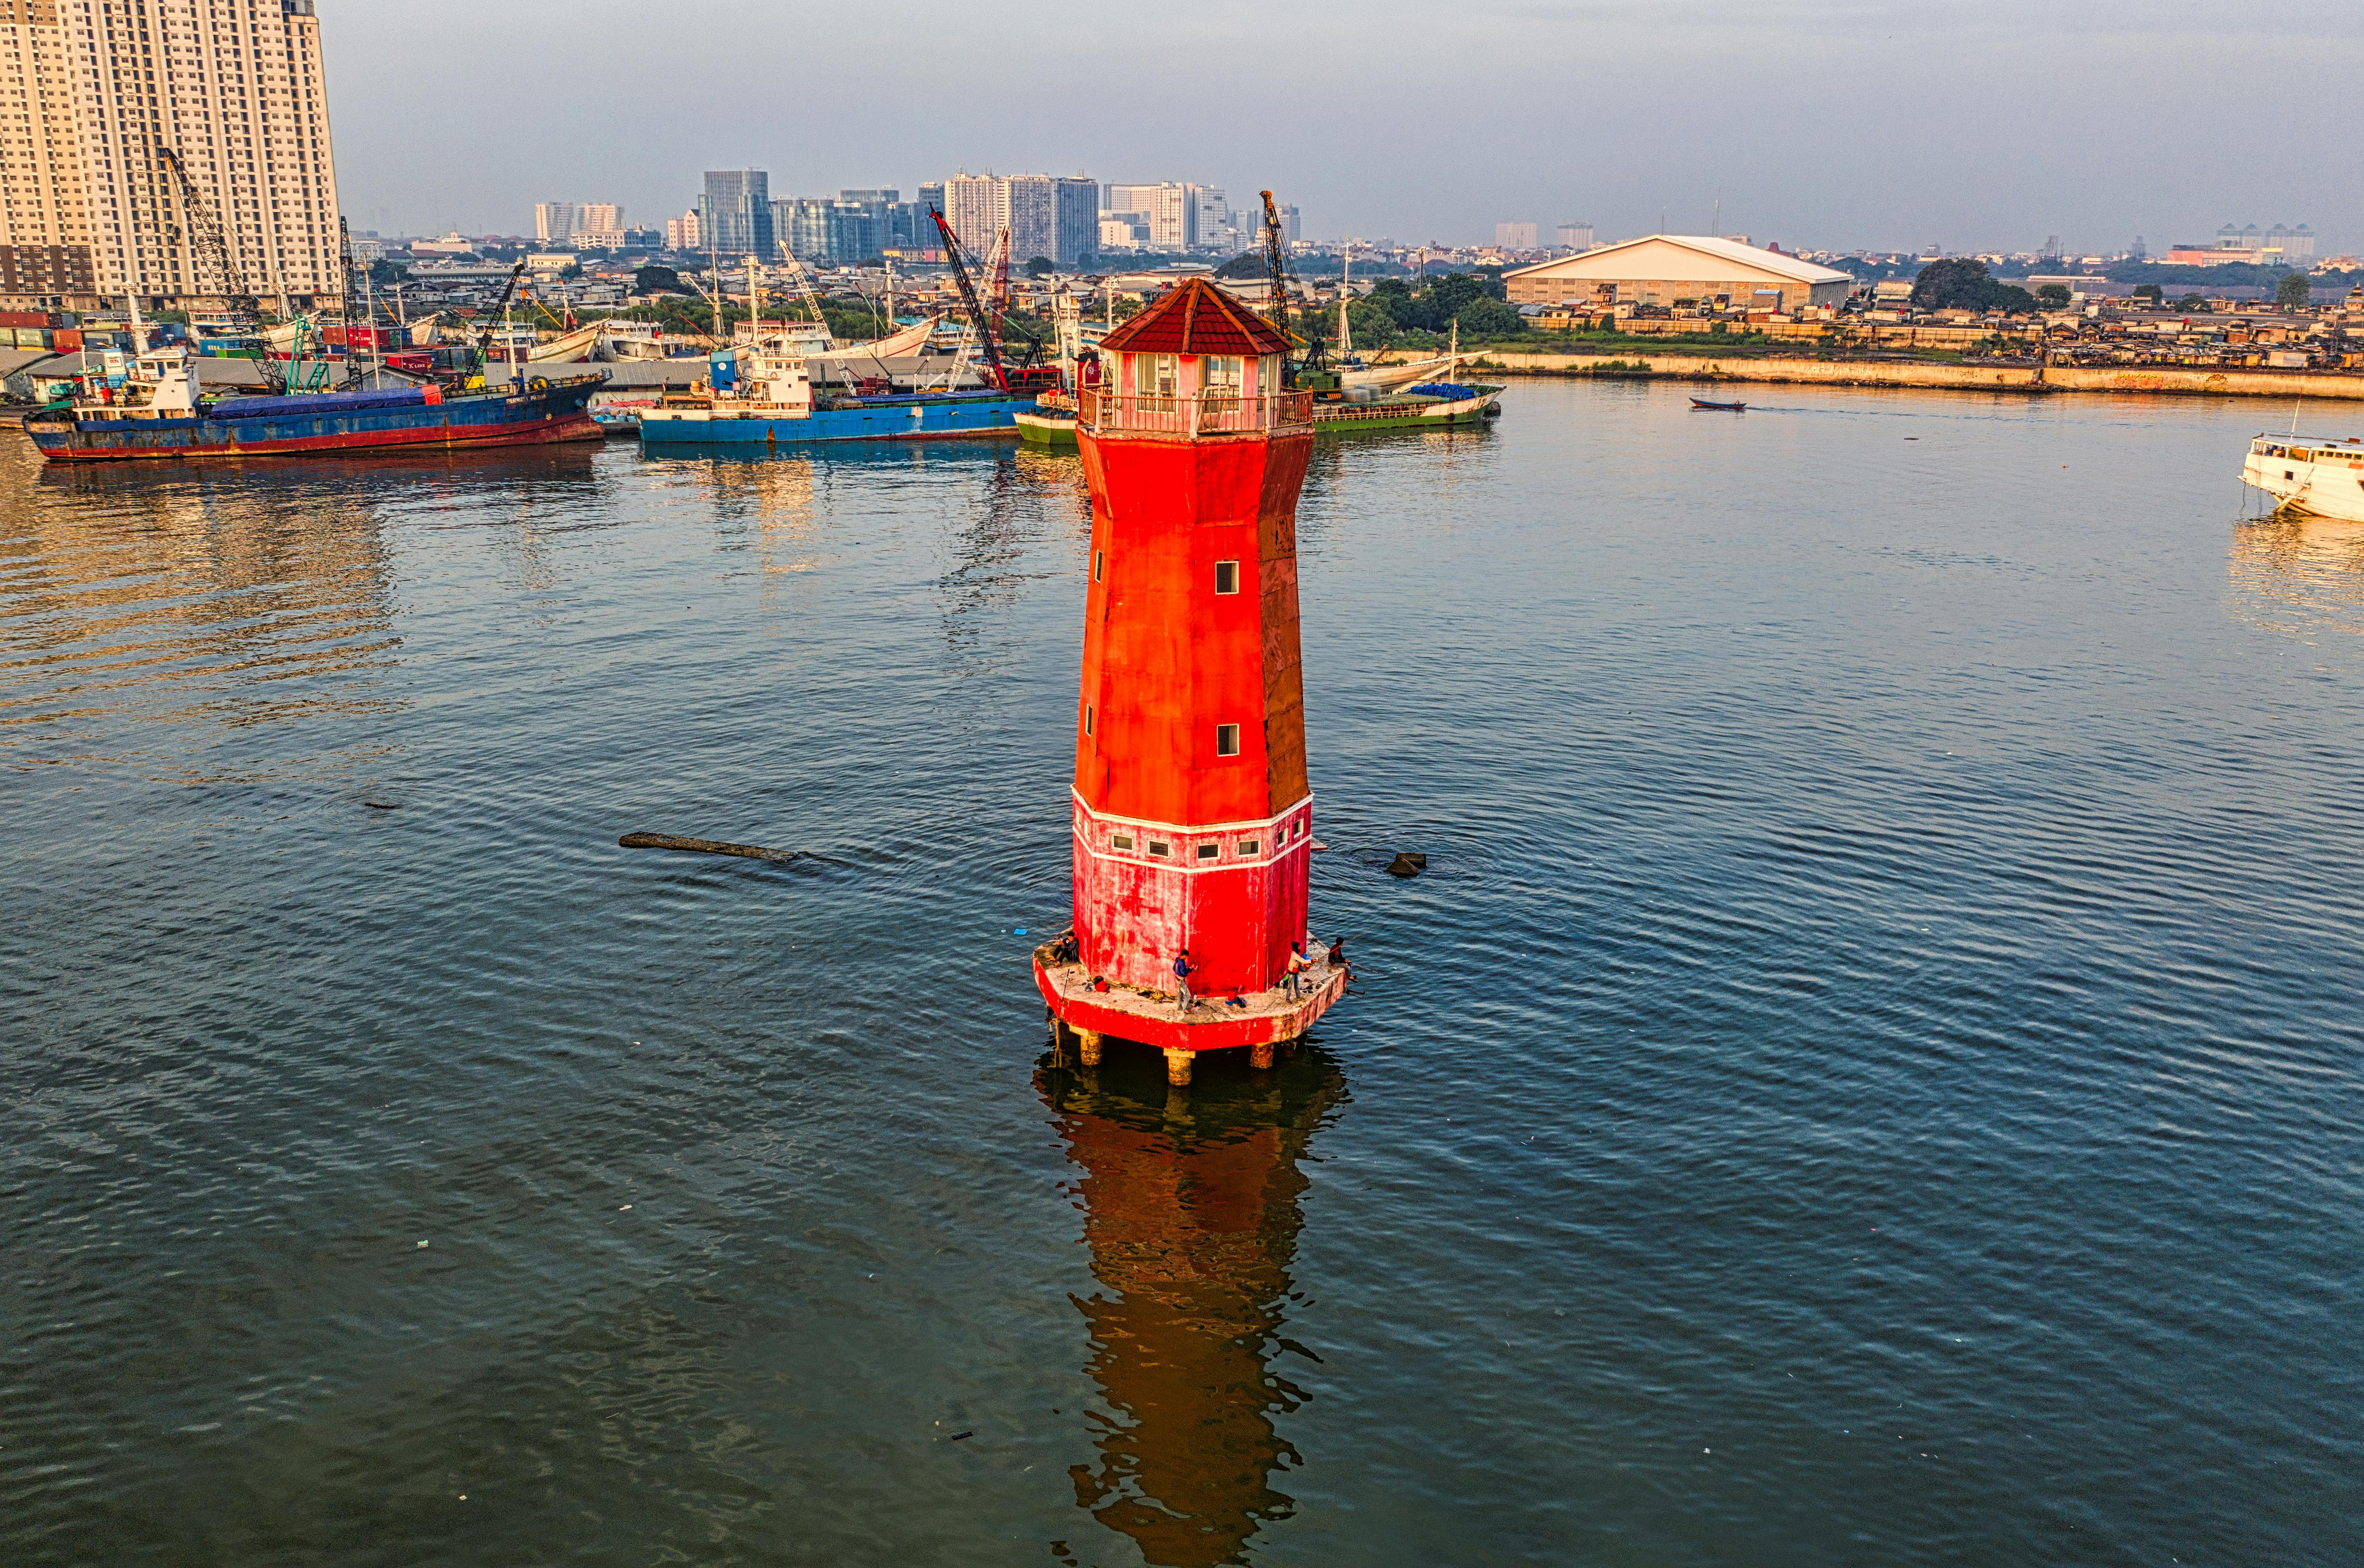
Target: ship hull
(886,420)
(1042,430)
(2327,483)
(529,418)
(1404,414)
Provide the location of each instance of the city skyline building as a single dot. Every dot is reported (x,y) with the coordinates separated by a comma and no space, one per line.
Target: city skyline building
(734,215)
(1185,216)
(1052,216)
(600,224)
(236,88)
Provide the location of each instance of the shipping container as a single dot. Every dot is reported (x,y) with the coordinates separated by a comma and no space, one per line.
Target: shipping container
(32,336)
(13,318)
(66,339)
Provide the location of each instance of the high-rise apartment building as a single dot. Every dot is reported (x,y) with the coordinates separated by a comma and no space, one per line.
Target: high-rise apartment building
(102,87)
(599,226)
(1052,216)
(735,215)
(554,222)
(681,233)
(1184,216)
(1575,236)
(1514,236)
(977,208)
(1215,221)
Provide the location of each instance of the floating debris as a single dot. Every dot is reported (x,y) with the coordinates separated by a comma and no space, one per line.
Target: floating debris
(704,847)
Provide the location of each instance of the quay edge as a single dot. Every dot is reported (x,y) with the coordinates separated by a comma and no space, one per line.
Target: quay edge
(2151,379)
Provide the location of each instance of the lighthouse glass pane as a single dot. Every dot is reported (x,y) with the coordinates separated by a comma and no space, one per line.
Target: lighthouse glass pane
(1209,852)
(1222,373)
(1162,375)
(1247,846)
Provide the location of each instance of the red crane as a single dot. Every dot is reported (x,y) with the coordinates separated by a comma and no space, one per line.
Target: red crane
(1004,376)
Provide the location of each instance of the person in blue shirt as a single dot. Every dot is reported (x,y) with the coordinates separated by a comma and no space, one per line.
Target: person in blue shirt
(1183,970)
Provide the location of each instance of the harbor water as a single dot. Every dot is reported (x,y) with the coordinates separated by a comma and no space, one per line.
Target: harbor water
(1871,1074)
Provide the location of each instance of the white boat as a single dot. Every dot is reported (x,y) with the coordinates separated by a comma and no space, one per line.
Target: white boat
(2319,475)
(1409,374)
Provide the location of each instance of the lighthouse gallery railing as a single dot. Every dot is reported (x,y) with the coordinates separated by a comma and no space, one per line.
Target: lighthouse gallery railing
(1210,413)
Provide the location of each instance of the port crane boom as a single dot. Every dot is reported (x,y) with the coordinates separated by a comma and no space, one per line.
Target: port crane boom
(210,243)
(1275,267)
(976,316)
(485,337)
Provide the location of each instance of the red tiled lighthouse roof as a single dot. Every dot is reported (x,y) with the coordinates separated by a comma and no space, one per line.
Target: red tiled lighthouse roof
(1196,319)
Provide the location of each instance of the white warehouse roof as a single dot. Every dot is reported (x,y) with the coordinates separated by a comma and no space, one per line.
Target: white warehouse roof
(1679,257)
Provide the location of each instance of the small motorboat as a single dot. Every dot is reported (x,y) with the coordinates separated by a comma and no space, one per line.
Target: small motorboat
(1725,407)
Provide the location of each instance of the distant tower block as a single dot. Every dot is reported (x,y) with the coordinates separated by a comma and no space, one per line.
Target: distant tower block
(1192,814)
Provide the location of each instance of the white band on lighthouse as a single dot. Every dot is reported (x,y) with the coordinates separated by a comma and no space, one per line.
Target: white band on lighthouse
(1105,836)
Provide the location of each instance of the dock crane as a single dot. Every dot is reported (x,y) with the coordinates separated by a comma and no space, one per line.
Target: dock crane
(996,288)
(1277,274)
(485,337)
(210,243)
(968,299)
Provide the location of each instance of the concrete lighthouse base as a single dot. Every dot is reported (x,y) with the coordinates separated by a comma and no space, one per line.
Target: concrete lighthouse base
(1264,1019)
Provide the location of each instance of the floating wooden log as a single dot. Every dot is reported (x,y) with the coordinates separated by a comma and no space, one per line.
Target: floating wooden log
(704,847)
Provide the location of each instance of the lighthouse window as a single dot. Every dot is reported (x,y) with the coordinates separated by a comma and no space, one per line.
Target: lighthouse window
(1087,718)
(1157,849)
(1209,852)
(1247,846)
(1100,564)
(1227,576)
(1121,842)
(1227,740)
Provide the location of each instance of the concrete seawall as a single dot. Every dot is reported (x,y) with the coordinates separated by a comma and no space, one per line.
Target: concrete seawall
(2197,380)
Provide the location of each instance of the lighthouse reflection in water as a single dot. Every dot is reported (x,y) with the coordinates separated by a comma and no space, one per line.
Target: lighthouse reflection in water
(1190,1200)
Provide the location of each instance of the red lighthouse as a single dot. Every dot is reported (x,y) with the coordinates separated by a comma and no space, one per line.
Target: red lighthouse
(1192,814)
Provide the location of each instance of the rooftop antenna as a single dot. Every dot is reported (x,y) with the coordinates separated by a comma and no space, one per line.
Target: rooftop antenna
(1715,224)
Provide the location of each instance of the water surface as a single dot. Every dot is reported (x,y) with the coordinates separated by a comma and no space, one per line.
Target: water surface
(1870,1076)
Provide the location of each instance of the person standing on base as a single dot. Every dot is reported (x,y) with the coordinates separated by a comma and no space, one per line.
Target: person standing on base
(1183,970)
(1293,980)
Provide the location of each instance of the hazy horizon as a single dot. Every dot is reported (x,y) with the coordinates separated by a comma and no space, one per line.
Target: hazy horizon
(1835,124)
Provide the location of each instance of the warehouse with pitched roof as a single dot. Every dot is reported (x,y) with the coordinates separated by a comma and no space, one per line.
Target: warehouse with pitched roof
(1661,269)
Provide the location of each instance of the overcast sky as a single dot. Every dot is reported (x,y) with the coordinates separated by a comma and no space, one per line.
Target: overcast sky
(1820,123)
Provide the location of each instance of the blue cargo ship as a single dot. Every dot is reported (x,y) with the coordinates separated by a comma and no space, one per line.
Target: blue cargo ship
(767,399)
(178,423)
